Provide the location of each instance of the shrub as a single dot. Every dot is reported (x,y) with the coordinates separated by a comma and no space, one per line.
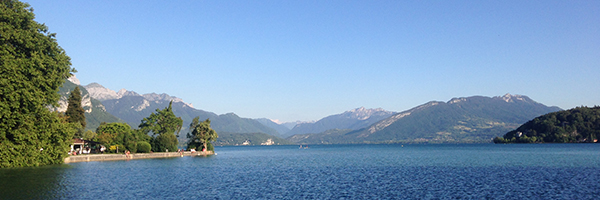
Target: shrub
(143,147)
(113,148)
(132,146)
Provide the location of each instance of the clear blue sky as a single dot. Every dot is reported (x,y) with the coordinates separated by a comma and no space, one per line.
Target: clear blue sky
(304,60)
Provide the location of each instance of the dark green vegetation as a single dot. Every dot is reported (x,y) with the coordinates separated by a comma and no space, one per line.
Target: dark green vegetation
(226,139)
(165,127)
(201,135)
(95,112)
(460,120)
(121,135)
(143,147)
(581,124)
(32,68)
(75,113)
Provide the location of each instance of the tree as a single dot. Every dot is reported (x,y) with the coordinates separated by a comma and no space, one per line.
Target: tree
(164,126)
(89,135)
(109,134)
(75,112)
(32,69)
(201,134)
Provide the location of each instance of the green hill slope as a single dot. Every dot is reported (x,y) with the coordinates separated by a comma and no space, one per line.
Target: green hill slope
(460,120)
(581,124)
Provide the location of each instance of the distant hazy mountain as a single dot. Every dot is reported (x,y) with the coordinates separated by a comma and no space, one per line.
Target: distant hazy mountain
(133,107)
(471,119)
(95,112)
(280,128)
(236,139)
(354,119)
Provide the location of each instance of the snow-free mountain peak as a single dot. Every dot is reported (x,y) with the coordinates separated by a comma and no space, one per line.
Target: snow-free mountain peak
(363,113)
(513,98)
(74,79)
(101,93)
(353,119)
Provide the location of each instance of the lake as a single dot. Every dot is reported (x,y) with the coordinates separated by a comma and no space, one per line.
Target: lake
(409,171)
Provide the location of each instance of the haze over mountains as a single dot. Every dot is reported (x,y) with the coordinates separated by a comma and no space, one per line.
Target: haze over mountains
(465,119)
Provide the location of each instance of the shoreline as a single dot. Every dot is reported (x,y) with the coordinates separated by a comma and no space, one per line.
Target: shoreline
(133,156)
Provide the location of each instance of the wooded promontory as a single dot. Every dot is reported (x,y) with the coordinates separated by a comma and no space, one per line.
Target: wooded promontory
(577,125)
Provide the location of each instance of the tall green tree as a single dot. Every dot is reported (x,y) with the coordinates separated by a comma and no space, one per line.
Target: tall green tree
(201,134)
(32,68)
(75,112)
(164,126)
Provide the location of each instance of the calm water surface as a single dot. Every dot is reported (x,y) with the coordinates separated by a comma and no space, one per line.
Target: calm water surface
(481,171)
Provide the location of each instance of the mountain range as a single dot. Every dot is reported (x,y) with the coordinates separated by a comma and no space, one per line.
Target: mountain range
(467,119)
(353,119)
(133,107)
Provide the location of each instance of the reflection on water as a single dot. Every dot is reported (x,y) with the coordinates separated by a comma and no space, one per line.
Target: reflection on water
(33,183)
(553,171)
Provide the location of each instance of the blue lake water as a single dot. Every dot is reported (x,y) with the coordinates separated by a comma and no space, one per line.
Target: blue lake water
(461,171)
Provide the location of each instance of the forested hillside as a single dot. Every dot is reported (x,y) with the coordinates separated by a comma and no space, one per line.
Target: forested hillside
(581,124)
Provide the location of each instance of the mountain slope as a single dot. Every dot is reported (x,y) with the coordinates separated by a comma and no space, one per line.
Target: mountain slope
(581,124)
(472,119)
(133,107)
(354,119)
(280,128)
(95,112)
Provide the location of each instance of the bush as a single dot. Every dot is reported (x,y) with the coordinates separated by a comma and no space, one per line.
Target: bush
(165,142)
(132,146)
(119,147)
(143,147)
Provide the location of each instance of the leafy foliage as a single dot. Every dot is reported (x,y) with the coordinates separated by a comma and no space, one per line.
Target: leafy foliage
(89,135)
(201,134)
(143,147)
(581,124)
(75,112)
(32,68)
(110,134)
(165,126)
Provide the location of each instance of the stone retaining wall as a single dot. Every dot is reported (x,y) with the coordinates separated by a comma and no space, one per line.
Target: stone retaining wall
(110,157)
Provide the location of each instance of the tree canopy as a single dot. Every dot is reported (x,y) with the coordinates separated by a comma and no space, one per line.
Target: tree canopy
(201,134)
(119,134)
(581,124)
(75,112)
(32,68)
(164,126)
